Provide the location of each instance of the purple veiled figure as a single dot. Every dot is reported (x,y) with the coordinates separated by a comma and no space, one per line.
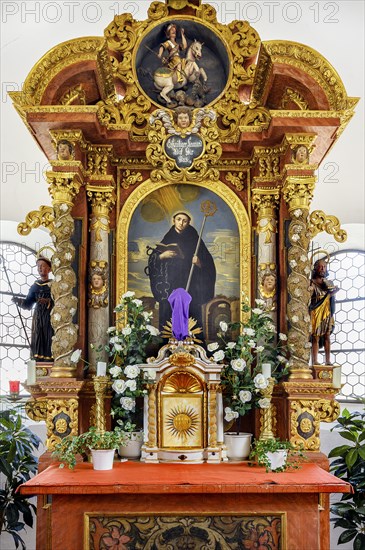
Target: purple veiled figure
(179,301)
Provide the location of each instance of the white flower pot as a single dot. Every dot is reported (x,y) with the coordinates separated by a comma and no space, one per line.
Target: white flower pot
(238,445)
(103,458)
(277,459)
(133,448)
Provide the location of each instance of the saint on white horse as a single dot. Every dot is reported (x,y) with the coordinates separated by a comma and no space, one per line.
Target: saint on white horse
(178,72)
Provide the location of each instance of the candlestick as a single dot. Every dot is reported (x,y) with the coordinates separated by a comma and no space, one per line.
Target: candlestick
(266,370)
(101,368)
(31,372)
(101,384)
(336,376)
(14,388)
(266,414)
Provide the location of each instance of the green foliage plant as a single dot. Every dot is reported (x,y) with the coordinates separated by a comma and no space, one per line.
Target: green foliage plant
(67,450)
(17,464)
(260,448)
(349,465)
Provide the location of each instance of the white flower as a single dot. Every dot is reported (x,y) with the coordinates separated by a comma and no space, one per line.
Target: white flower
(295,238)
(295,318)
(245,396)
(111,329)
(152,330)
(64,286)
(126,331)
(270,327)
(223,326)
(58,278)
(131,384)
(229,414)
(75,357)
(128,294)
(260,381)
(137,302)
(307,270)
(150,374)
(70,330)
(131,371)
(297,213)
(281,359)
(73,311)
(213,346)
(260,302)
(307,318)
(264,403)
(115,371)
(259,349)
(238,364)
(251,343)
(231,345)
(128,403)
(118,347)
(118,386)
(146,316)
(293,263)
(297,292)
(218,356)
(257,311)
(57,317)
(64,207)
(308,345)
(56,262)
(249,331)
(303,258)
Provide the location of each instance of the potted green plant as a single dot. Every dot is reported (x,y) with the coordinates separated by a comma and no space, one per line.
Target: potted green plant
(101,445)
(349,465)
(276,455)
(245,347)
(127,347)
(17,464)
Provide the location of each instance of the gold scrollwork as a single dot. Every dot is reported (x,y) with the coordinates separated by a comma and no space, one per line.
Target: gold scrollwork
(327,410)
(62,413)
(130,177)
(292,96)
(319,221)
(37,218)
(237,179)
(74,95)
(304,424)
(36,409)
(182,359)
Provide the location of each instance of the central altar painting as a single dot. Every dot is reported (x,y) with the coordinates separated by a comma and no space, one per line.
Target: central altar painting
(162,241)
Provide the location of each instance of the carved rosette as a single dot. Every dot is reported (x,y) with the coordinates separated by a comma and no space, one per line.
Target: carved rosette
(61,421)
(298,192)
(63,188)
(304,424)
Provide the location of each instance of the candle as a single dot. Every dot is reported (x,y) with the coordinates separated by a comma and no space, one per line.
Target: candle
(336,377)
(101,368)
(14,387)
(31,374)
(266,370)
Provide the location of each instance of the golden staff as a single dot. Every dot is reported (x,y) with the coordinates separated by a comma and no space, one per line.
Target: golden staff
(209,209)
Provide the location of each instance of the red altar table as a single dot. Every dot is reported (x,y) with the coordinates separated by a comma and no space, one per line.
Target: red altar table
(231,504)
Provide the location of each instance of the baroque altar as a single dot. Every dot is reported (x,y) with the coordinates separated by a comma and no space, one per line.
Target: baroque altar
(166,116)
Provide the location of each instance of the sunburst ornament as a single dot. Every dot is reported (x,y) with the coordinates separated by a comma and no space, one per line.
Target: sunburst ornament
(193,330)
(182,422)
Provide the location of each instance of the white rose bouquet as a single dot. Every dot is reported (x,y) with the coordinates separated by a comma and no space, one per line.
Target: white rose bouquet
(127,347)
(244,347)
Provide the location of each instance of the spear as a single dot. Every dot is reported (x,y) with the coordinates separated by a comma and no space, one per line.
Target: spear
(209,209)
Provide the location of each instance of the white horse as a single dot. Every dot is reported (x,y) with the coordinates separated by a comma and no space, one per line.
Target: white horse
(166,79)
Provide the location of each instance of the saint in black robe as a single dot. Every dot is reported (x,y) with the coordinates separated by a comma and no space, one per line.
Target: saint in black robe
(42,332)
(168,274)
